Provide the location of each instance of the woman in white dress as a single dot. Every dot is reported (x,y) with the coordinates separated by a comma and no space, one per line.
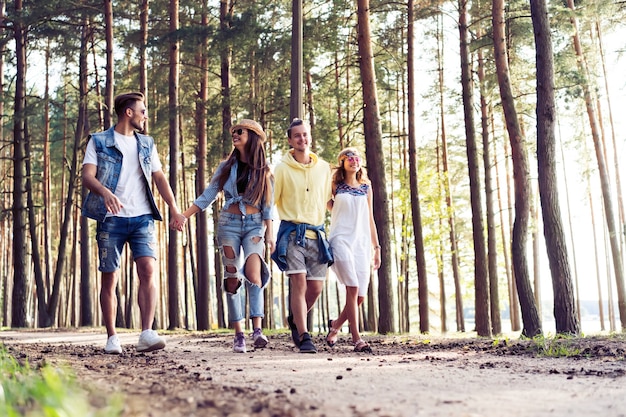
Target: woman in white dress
(352,238)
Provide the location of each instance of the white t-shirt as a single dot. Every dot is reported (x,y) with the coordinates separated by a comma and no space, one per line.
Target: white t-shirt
(131,186)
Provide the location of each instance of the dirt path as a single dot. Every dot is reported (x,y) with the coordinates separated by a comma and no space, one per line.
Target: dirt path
(199,375)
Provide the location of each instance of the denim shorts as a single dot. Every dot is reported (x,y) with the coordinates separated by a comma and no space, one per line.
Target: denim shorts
(113,233)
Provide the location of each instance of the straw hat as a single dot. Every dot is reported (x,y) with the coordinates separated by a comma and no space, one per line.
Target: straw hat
(250,125)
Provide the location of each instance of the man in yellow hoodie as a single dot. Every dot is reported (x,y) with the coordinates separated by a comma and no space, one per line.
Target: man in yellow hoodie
(302,189)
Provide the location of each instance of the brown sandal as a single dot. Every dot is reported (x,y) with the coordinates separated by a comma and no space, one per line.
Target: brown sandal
(362,346)
(331,332)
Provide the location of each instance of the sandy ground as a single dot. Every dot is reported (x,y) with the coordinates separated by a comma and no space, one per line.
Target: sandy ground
(197,374)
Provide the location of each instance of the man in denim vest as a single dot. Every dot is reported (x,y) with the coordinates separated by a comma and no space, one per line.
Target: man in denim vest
(118,170)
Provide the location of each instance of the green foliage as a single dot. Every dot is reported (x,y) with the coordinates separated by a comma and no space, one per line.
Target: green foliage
(45,391)
(504,342)
(555,347)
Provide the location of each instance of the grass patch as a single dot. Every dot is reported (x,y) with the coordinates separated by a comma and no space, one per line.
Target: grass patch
(45,391)
(555,347)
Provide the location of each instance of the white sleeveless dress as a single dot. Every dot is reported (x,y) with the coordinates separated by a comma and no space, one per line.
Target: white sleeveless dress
(350,237)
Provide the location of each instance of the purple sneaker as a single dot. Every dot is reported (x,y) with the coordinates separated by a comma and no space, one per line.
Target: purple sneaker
(239,344)
(260,341)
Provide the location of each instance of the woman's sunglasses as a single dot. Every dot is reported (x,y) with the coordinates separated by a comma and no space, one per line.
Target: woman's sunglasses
(238,131)
(352,158)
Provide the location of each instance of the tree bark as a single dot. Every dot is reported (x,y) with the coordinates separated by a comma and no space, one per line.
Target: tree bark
(202,295)
(603,172)
(450,213)
(110,73)
(420,257)
(492,252)
(375,164)
(20,250)
(174,139)
(564,305)
(143,58)
(530,316)
(481,284)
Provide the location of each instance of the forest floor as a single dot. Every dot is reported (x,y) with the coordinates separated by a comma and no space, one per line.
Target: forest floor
(198,374)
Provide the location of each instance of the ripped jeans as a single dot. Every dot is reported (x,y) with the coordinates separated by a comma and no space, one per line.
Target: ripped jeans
(237,232)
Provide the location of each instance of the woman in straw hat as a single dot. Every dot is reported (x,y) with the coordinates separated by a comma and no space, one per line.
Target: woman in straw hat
(245,223)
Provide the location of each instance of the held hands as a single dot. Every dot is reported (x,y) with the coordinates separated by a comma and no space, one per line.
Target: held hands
(271,243)
(376,258)
(177,222)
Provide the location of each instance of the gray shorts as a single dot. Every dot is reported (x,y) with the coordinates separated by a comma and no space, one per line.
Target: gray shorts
(305,259)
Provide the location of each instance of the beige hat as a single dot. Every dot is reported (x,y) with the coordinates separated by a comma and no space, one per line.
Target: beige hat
(250,125)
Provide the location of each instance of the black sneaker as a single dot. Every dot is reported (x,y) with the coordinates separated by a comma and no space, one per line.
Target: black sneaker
(306,345)
(295,336)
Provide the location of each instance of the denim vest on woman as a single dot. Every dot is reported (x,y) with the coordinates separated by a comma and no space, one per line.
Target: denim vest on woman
(109,168)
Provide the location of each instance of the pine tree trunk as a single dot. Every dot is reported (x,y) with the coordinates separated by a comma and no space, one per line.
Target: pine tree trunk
(174,139)
(616,154)
(373,150)
(420,257)
(481,284)
(450,212)
(492,252)
(20,250)
(4,226)
(564,304)
(143,58)
(202,298)
(530,316)
(604,175)
(110,73)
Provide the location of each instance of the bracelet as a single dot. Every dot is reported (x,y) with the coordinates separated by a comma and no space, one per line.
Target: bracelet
(376,247)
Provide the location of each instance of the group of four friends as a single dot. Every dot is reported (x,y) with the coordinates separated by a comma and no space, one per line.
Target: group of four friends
(119,167)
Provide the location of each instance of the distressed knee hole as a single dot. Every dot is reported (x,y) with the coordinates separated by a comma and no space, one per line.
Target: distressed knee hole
(232,285)
(228,252)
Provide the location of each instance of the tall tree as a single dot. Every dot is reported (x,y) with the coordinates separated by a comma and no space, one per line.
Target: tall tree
(174,135)
(20,250)
(530,316)
(373,151)
(109,80)
(481,284)
(492,253)
(450,210)
(225,74)
(202,293)
(564,306)
(602,168)
(4,279)
(415,203)
(143,56)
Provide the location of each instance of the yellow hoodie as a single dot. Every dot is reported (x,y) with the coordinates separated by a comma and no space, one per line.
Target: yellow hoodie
(301,191)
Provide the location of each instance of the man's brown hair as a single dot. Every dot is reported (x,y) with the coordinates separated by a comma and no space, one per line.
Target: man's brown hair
(126,100)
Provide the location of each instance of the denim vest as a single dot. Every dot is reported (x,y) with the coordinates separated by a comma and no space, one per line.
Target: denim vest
(109,168)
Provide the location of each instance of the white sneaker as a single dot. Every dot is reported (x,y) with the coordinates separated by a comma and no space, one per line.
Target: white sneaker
(113,345)
(149,340)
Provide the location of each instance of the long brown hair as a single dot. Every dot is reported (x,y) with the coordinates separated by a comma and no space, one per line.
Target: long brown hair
(340,172)
(259,188)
